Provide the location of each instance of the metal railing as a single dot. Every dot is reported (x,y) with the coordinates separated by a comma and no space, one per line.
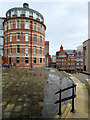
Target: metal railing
(67,98)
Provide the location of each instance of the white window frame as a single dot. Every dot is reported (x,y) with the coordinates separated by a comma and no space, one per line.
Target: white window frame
(26,49)
(26,37)
(18,24)
(18,13)
(27,13)
(35,26)
(10,37)
(17,36)
(34,50)
(35,38)
(10,25)
(26,25)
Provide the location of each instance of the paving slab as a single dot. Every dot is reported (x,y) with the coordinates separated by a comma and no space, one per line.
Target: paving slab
(81,101)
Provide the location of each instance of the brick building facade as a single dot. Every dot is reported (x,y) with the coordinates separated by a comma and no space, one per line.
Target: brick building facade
(67,59)
(2,36)
(24,36)
(47,56)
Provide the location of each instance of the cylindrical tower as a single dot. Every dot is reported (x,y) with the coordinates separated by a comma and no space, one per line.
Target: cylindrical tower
(24,33)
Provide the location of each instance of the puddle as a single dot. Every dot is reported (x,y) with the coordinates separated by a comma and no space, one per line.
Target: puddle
(54,84)
(52,70)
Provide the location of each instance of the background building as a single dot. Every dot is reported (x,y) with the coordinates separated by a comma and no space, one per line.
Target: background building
(80,48)
(1,36)
(53,61)
(47,56)
(86,56)
(69,59)
(65,60)
(24,33)
(79,58)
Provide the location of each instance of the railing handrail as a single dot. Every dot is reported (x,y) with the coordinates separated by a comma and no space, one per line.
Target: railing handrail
(74,85)
(67,98)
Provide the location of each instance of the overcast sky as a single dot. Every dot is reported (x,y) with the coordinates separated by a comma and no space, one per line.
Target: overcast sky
(66,22)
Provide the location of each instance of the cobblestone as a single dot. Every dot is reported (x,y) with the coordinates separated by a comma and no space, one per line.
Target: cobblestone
(27,93)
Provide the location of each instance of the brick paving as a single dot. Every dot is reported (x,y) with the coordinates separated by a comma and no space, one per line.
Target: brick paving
(30,93)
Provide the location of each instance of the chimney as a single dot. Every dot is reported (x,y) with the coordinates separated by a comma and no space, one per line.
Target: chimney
(25,5)
(61,48)
(74,51)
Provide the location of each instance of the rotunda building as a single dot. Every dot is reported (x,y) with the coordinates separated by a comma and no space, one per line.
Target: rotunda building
(24,36)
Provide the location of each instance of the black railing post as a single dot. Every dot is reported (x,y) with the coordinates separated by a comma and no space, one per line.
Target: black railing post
(60,103)
(73,93)
(73,87)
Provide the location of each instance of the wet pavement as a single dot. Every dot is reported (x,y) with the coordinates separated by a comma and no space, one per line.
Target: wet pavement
(31,93)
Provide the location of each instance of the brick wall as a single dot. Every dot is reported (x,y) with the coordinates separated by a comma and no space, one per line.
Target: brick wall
(22,31)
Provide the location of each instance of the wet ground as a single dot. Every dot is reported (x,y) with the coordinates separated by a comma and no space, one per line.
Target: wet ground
(31,93)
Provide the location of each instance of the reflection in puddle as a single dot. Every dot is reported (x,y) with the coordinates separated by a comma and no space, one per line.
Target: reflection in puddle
(52,70)
(54,84)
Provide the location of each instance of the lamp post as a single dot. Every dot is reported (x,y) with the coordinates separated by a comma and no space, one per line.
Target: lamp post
(31,47)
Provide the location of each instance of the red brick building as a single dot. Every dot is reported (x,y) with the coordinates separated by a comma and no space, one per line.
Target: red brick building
(24,34)
(47,56)
(66,59)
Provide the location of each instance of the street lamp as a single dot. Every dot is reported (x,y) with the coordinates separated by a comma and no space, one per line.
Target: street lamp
(31,47)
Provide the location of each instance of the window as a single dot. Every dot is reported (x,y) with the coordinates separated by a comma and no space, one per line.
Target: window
(1,32)
(18,36)
(17,59)
(40,60)
(15,12)
(31,13)
(40,39)
(23,12)
(35,37)
(1,23)
(26,49)
(10,37)
(26,37)
(26,60)
(40,50)
(34,60)
(1,42)
(18,48)
(18,24)
(72,59)
(18,13)
(34,50)
(40,28)
(26,25)
(27,13)
(34,26)
(10,49)
(10,25)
